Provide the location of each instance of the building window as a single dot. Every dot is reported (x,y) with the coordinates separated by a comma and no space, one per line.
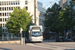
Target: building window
(9,3)
(0,14)
(9,8)
(14,2)
(3,8)
(26,8)
(0,3)
(4,3)
(26,2)
(0,8)
(5,19)
(3,14)
(7,14)
(18,2)
(0,19)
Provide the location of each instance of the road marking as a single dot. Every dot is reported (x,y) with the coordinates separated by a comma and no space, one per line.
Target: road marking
(42,45)
(48,47)
(38,46)
(56,45)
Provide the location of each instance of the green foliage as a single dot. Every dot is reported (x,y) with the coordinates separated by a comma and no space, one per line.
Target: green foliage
(67,16)
(19,18)
(73,0)
(60,19)
(52,23)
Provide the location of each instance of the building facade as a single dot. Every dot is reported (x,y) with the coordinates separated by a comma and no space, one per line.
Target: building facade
(42,12)
(7,7)
(63,3)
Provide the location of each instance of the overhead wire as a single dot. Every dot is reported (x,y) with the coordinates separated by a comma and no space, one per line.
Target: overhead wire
(48,3)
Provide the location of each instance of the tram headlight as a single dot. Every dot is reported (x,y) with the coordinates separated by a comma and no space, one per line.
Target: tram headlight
(41,38)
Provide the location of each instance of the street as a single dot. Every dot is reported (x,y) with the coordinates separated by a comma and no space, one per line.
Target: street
(40,46)
(55,45)
(18,47)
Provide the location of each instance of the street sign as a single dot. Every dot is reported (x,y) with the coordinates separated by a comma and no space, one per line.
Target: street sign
(47,13)
(36,17)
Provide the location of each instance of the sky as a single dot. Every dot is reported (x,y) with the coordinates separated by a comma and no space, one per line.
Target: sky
(48,3)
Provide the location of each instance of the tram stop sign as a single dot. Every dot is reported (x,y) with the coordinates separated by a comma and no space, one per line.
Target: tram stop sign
(47,13)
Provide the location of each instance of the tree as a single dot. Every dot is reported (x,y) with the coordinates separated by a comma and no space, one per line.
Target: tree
(67,17)
(19,18)
(52,22)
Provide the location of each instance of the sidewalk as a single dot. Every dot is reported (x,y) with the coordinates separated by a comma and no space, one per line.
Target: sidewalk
(19,47)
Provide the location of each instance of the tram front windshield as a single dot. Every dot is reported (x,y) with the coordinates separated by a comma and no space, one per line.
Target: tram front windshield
(36,33)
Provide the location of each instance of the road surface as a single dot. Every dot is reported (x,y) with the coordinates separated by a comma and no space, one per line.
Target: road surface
(54,45)
(18,47)
(40,46)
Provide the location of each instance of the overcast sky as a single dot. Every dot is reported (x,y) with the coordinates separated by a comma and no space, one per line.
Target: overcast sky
(48,3)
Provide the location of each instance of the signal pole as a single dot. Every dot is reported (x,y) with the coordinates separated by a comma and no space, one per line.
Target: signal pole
(35,12)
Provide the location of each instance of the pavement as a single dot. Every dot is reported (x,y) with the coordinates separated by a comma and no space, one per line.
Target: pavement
(19,47)
(46,45)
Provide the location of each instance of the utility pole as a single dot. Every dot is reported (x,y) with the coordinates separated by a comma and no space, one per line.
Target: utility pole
(35,11)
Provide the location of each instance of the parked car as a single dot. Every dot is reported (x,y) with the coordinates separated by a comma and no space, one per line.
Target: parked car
(68,38)
(74,38)
(51,37)
(61,38)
